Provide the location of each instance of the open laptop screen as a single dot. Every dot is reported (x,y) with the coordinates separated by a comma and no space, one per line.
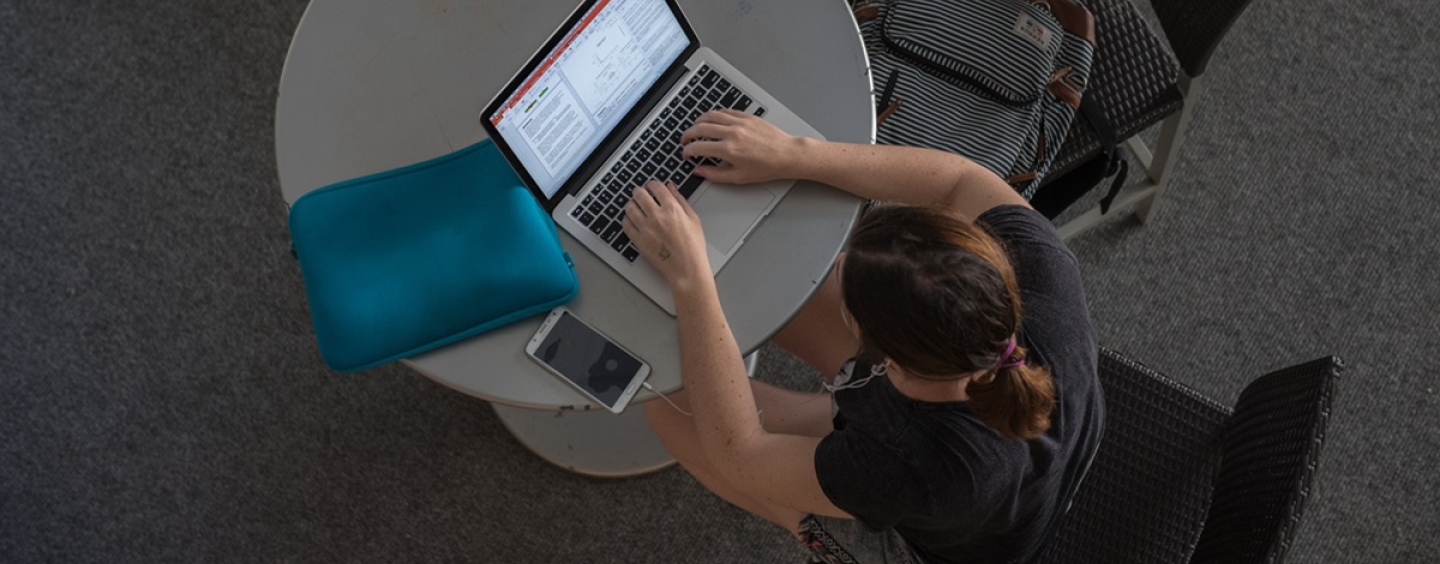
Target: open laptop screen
(585,85)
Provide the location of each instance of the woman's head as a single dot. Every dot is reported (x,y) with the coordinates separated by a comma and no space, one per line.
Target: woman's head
(938,296)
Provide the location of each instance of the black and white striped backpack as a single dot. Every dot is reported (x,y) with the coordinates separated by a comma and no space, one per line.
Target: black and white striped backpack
(997,81)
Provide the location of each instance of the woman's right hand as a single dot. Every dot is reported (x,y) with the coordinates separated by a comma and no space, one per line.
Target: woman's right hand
(750,149)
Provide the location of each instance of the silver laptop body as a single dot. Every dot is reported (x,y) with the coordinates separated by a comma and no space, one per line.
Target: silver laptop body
(576,87)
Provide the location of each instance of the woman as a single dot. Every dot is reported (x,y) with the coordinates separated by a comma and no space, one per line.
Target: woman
(956,332)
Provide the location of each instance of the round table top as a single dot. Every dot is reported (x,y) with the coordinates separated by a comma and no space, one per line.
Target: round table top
(372,85)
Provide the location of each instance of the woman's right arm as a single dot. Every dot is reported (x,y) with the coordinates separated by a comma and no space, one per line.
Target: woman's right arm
(754,151)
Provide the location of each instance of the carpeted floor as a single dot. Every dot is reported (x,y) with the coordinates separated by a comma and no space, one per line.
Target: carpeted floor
(161,398)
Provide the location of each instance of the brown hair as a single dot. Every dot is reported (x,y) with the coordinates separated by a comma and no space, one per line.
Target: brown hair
(938,296)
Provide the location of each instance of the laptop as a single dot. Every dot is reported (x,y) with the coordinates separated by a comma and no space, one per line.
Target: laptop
(599,109)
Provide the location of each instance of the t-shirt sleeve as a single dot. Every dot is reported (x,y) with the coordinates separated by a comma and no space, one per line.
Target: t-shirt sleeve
(1052,291)
(1043,264)
(854,470)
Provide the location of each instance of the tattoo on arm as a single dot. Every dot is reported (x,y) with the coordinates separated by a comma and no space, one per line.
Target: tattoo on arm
(664,252)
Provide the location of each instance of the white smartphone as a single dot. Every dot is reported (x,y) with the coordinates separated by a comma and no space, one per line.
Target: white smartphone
(573,350)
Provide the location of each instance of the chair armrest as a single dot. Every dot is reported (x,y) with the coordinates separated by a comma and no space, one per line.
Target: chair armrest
(1271,450)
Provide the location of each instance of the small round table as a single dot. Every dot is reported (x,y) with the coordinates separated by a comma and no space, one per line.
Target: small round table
(371,85)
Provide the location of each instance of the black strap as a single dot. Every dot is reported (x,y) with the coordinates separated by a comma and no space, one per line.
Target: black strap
(887,92)
(1117,164)
(1120,167)
(1061,192)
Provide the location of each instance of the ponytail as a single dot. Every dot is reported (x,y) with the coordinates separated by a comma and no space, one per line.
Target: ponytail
(938,295)
(1016,400)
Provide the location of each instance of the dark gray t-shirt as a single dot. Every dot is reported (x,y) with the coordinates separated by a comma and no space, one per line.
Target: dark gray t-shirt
(952,486)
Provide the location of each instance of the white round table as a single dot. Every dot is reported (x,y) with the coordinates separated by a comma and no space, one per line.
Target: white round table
(371,85)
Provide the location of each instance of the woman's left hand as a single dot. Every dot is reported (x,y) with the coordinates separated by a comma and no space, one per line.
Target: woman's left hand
(665,228)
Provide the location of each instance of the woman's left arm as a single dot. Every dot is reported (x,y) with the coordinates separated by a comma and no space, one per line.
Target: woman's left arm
(775,468)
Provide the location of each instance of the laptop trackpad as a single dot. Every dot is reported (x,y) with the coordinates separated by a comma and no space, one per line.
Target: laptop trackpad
(727,212)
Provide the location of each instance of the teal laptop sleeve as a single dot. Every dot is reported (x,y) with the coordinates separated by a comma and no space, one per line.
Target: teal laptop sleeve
(404,261)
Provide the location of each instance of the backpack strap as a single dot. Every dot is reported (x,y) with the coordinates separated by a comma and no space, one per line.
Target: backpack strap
(1061,192)
(1074,18)
(865,11)
(884,107)
(1111,154)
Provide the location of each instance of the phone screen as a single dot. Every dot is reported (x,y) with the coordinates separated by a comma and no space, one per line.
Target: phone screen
(588,359)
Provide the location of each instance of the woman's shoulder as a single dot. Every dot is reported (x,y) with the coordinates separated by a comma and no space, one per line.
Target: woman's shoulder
(1020,224)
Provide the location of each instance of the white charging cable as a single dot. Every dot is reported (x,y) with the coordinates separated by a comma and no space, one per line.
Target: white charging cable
(875,370)
(817,394)
(666,398)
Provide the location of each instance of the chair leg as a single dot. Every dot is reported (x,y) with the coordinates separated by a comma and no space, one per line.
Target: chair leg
(1127,199)
(1140,152)
(1167,148)
(1144,197)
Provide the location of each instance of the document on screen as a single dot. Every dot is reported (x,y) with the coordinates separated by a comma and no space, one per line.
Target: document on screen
(552,124)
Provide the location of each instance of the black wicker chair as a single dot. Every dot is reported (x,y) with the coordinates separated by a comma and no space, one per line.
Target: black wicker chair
(1180,478)
(1136,83)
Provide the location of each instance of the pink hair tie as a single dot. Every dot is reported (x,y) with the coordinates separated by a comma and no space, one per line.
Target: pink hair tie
(1009,350)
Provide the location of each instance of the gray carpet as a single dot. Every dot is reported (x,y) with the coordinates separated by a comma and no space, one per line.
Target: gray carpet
(162,400)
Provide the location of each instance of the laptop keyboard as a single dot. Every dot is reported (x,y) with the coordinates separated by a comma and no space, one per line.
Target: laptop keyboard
(655,154)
